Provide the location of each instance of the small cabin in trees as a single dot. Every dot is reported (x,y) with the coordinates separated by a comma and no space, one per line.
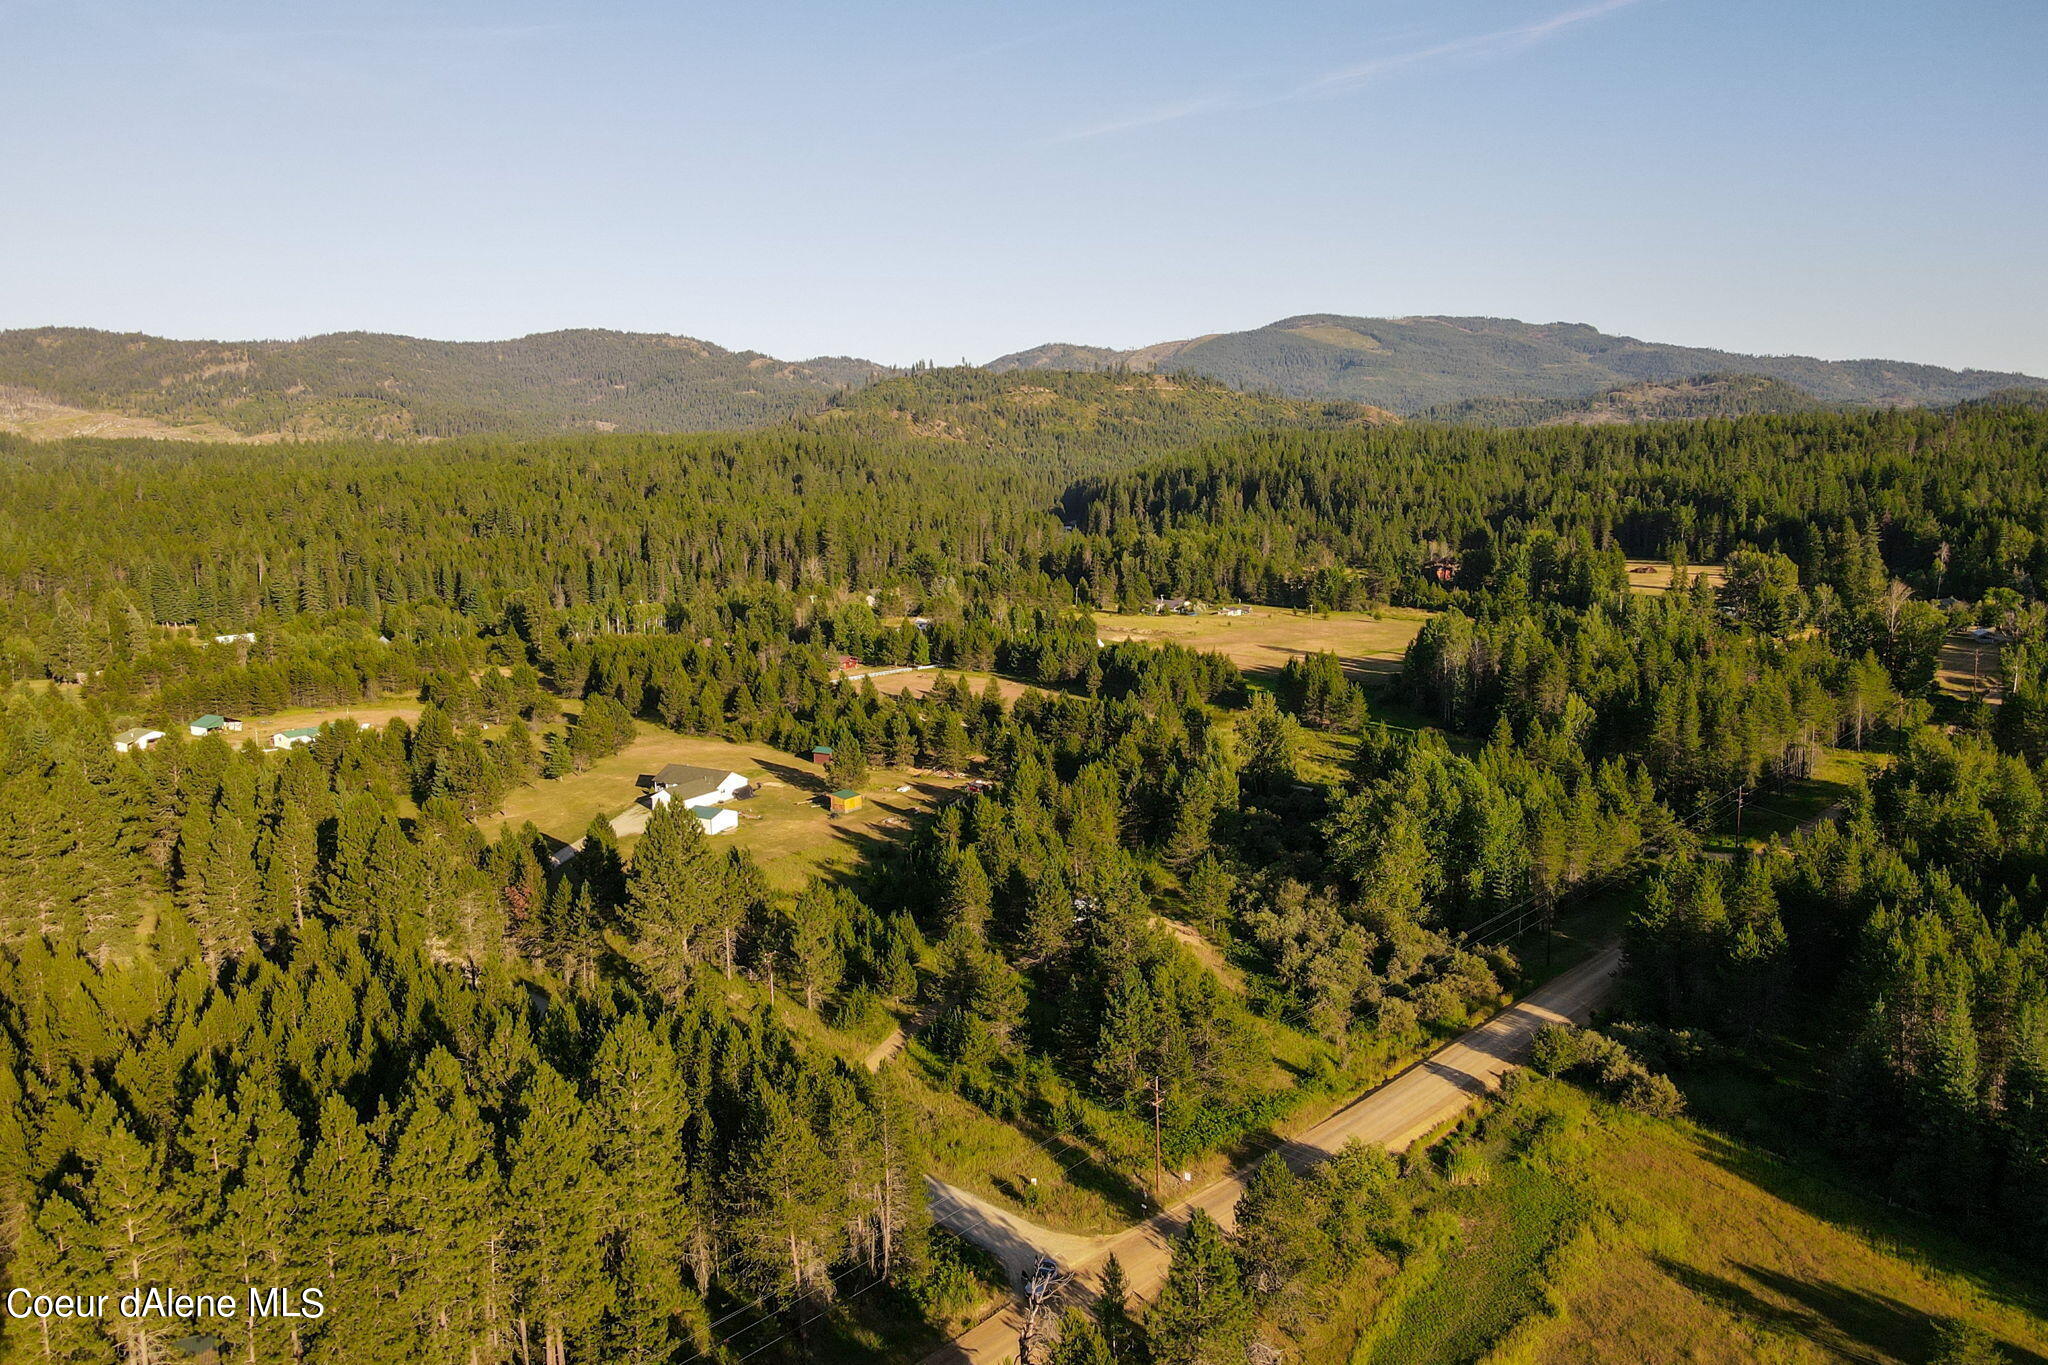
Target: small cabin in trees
(292,739)
(821,754)
(844,800)
(138,738)
(209,724)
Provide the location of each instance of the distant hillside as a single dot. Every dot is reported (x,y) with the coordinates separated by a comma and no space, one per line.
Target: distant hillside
(1414,364)
(1048,411)
(58,380)
(369,384)
(1710,395)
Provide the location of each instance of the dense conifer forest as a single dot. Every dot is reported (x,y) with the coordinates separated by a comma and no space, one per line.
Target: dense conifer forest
(316,1017)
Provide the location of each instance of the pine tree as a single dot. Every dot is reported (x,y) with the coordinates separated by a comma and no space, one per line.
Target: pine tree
(441,1211)
(811,936)
(260,1237)
(1277,1232)
(1202,1315)
(554,1205)
(1080,1342)
(786,1203)
(673,895)
(289,852)
(135,1223)
(638,1108)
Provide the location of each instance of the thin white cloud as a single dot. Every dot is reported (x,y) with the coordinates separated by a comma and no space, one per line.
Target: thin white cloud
(1333,82)
(1477,45)
(1165,113)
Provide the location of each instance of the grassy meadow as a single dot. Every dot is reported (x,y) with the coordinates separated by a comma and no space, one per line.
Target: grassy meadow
(1559,1230)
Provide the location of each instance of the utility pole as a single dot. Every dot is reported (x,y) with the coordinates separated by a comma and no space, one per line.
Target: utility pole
(1158,1159)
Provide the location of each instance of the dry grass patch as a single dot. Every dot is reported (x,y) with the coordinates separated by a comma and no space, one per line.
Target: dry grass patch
(783,822)
(1604,1238)
(1971,668)
(1654,575)
(922,681)
(376,714)
(1261,642)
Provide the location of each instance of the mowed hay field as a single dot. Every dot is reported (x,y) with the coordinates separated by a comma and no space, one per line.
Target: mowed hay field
(1654,575)
(1582,1235)
(376,713)
(923,680)
(783,822)
(1261,642)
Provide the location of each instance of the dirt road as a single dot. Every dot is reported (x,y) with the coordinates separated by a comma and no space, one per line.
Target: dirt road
(884,1050)
(1405,1109)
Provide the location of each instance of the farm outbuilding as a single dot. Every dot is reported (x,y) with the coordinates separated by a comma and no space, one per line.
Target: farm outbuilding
(138,738)
(697,786)
(843,800)
(207,724)
(821,753)
(716,819)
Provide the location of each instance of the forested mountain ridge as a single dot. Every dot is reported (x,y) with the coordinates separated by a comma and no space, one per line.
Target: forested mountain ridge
(1413,363)
(380,385)
(363,384)
(1085,414)
(1709,395)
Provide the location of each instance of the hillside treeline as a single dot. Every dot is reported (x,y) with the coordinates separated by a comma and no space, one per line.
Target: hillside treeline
(105,539)
(1951,503)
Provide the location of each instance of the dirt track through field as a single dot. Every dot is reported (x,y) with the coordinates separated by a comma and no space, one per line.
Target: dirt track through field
(1397,1114)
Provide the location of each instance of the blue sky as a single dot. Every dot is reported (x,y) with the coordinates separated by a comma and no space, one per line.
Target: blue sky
(946,181)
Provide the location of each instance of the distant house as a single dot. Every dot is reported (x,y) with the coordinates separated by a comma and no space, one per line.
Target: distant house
(716,819)
(1442,569)
(245,637)
(292,739)
(207,724)
(844,800)
(696,786)
(847,663)
(1235,611)
(821,753)
(137,738)
(1176,606)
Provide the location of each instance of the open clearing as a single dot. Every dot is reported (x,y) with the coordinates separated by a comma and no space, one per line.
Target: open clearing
(1263,640)
(1971,668)
(1654,575)
(376,713)
(922,681)
(782,822)
(1723,1254)
(28,413)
